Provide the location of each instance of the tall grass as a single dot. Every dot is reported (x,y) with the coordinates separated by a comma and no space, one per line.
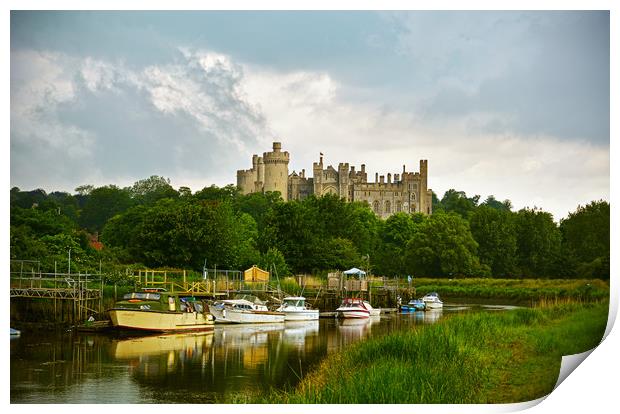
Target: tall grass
(475,358)
(516,289)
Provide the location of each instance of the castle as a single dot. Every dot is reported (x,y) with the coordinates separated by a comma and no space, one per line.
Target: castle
(406,192)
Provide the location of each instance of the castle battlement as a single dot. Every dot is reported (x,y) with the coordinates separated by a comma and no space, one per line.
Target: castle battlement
(389,194)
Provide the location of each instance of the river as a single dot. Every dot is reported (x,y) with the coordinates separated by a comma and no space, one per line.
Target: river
(74,367)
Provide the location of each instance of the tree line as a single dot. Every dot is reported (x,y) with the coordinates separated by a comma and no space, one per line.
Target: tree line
(152,224)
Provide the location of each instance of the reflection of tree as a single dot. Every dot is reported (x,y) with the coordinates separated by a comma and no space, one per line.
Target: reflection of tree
(56,361)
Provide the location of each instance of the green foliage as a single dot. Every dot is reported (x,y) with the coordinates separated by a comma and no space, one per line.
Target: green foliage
(494,231)
(458,202)
(443,246)
(394,235)
(181,233)
(585,236)
(152,189)
(274,258)
(153,224)
(102,204)
(538,243)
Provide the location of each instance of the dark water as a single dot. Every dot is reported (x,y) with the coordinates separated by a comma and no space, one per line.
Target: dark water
(189,368)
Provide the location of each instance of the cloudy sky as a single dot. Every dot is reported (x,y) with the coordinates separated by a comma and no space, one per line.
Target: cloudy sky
(514,104)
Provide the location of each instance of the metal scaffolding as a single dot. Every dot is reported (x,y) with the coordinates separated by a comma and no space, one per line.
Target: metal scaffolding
(85,290)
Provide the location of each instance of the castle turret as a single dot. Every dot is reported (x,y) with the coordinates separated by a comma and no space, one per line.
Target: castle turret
(425,200)
(317,174)
(275,166)
(343,180)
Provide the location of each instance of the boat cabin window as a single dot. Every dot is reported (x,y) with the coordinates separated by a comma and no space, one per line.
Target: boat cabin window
(294,302)
(142,296)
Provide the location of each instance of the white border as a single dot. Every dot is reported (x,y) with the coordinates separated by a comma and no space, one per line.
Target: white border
(591,388)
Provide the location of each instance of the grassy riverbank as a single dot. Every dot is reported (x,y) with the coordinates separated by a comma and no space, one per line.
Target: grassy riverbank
(475,358)
(516,289)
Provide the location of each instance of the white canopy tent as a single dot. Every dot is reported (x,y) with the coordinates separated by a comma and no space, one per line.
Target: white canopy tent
(355,271)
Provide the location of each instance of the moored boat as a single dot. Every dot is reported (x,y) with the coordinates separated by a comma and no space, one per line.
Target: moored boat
(413,305)
(161,312)
(356,308)
(294,309)
(244,309)
(432,301)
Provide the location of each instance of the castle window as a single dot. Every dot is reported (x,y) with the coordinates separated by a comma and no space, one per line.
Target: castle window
(413,196)
(388,207)
(375,207)
(399,207)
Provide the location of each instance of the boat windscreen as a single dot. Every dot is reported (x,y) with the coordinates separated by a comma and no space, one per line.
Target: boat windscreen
(142,296)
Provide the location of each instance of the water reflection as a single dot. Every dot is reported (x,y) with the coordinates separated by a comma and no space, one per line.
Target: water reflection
(189,367)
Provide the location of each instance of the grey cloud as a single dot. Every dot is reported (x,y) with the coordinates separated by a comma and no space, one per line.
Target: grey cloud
(537,72)
(196,124)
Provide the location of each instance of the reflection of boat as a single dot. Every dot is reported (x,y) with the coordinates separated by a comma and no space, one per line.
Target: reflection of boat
(350,322)
(137,347)
(296,332)
(294,309)
(244,309)
(413,305)
(432,301)
(432,315)
(160,311)
(356,308)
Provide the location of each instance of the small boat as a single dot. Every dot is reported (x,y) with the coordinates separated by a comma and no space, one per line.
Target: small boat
(244,309)
(432,301)
(295,309)
(413,305)
(356,308)
(161,312)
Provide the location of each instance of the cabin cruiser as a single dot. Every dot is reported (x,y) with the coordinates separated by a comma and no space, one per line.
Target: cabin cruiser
(294,308)
(244,309)
(356,308)
(432,301)
(161,312)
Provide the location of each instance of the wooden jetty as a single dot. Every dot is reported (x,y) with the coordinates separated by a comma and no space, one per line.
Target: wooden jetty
(85,291)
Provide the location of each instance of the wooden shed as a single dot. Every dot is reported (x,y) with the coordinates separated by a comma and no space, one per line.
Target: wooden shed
(256,274)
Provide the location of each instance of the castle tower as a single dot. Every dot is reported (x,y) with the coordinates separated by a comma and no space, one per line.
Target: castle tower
(425,199)
(343,181)
(275,166)
(317,173)
(260,175)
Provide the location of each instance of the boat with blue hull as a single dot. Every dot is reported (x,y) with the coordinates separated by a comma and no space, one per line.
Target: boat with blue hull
(413,305)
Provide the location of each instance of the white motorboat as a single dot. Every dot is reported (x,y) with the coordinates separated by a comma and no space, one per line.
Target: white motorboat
(244,309)
(432,301)
(356,308)
(294,308)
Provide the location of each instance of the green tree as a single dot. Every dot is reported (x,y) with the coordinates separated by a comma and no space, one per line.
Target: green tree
(184,233)
(585,237)
(505,205)
(394,235)
(458,202)
(273,257)
(102,204)
(215,193)
(494,231)
(443,246)
(152,189)
(538,243)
